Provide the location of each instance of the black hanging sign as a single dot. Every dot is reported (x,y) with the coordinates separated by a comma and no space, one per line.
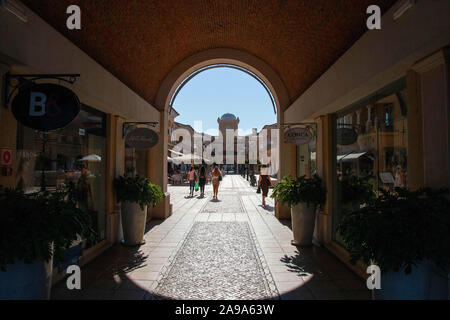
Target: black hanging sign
(45,106)
(346,136)
(141,139)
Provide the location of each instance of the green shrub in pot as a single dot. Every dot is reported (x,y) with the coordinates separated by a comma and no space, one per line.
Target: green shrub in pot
(399,232)
(292,191)
(35,228)
(304,196)
(135,193)
(138,190)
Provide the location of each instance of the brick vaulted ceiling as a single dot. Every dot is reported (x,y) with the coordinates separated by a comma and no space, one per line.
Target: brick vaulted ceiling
(140,41)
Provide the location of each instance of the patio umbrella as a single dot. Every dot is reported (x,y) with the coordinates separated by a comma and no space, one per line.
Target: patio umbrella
(186,158)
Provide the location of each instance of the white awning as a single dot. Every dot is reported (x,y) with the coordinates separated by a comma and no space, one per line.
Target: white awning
(341,156)
(351,156)
(354,155)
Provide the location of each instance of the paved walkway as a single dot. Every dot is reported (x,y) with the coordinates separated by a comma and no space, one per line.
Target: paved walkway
(232,248)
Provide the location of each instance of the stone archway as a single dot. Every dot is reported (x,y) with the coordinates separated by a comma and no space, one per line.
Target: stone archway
(158,173)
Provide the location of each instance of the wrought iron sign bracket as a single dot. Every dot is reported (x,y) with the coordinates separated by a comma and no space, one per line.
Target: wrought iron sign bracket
(24,79)
(127,125)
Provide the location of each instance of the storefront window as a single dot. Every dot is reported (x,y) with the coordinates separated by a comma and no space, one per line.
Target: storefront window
(372,153)
(72,156)
(135,161)
(306,158)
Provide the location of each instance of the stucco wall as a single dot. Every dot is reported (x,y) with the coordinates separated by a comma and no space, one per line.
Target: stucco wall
(35,47)
(378,58)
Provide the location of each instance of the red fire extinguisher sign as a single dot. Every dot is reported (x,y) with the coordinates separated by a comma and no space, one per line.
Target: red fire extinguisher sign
(5,157)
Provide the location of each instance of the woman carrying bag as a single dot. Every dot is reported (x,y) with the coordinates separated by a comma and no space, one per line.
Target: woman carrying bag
(192,177)
(264,182)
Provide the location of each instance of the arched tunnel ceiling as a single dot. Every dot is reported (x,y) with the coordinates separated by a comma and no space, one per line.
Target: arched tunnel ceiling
(140,41)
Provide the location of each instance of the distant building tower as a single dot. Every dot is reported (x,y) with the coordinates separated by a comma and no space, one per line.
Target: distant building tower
(229,121)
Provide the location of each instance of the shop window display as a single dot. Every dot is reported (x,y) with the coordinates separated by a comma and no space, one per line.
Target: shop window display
(306,158)
(135,162)
(371,152)
(73,156)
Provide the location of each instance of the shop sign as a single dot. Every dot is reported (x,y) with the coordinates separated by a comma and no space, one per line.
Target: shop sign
(297,136)
(45,106)
(5,157)
(346,136)
(141,139)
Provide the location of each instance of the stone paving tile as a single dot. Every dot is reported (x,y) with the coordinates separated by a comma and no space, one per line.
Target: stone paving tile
(144,275)
(209,257)
(271,249)
(298,273)
(225,204)
(155,267)
(289,286)
(128,284)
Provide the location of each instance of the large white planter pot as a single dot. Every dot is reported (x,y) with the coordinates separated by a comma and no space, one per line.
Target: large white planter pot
(425,282)
(303,220)
(133,223)
(23,281)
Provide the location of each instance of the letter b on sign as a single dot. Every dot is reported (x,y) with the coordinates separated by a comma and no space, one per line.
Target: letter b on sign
(37,104)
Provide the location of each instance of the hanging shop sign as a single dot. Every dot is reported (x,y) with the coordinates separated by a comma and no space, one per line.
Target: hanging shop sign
(298,136)
(141,139)
(45,106)
(346,136)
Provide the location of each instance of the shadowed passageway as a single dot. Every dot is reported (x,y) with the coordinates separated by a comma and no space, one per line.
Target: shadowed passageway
(227,249)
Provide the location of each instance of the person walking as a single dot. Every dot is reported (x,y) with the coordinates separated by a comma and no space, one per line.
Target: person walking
(264,182)
(192,177)
(216,176)
(202,181)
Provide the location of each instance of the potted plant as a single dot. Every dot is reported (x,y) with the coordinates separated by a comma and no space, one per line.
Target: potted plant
(36,229)
(135,193)
(303,196)
(407,234)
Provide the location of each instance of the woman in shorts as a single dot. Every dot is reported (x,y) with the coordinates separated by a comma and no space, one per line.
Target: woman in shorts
(215,179)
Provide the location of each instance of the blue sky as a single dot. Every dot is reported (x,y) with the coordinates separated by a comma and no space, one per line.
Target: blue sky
(223,90)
